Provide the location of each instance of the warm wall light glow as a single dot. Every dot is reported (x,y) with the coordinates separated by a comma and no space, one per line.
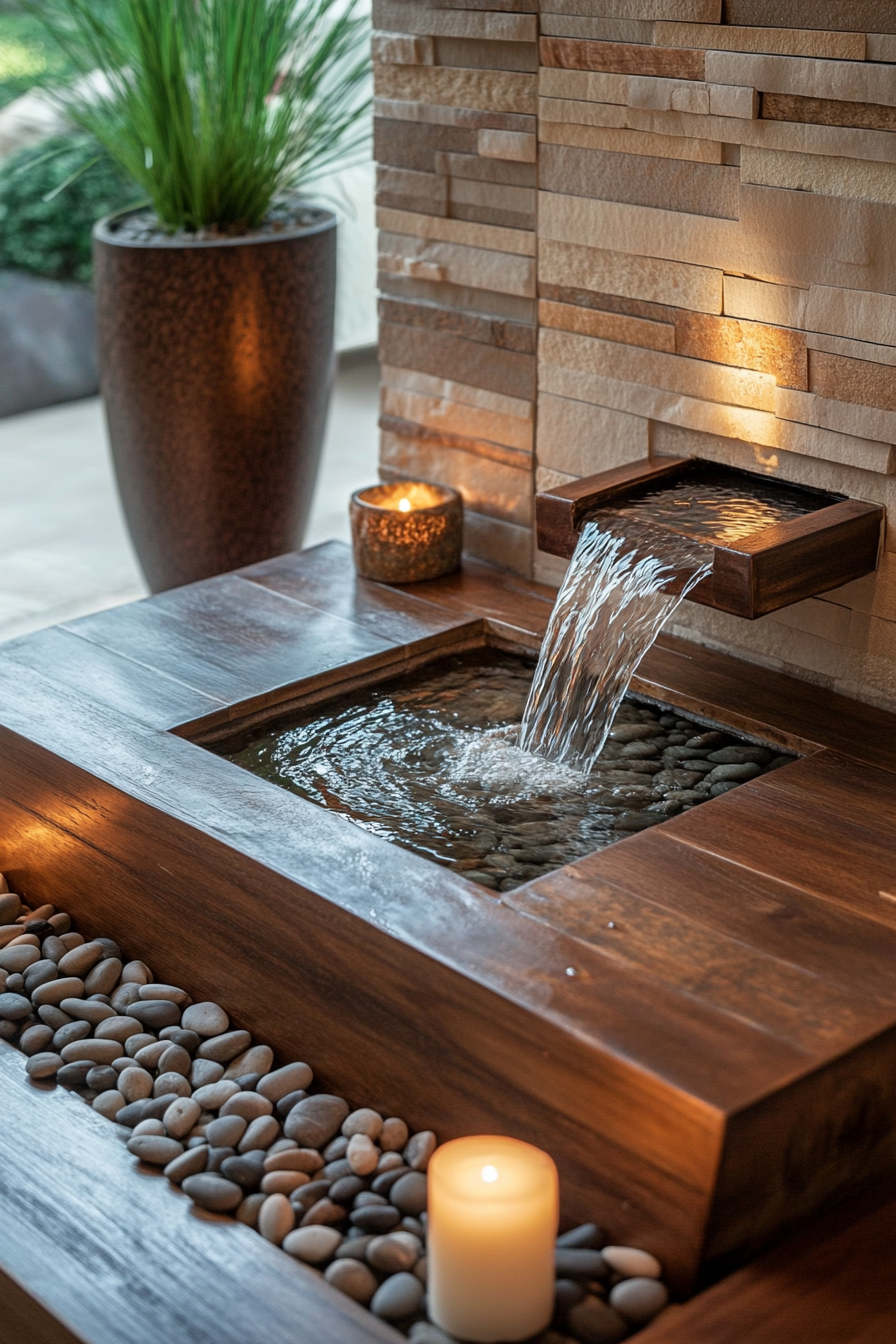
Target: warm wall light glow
(404,505)
(493,1209)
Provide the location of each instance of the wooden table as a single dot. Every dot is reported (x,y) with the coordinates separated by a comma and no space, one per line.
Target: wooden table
(699,1022)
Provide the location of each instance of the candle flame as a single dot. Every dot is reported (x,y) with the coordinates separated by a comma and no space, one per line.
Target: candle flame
(489,1173)
(404,506)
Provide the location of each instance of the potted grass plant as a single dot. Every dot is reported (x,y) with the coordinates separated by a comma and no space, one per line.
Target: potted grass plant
(215,300)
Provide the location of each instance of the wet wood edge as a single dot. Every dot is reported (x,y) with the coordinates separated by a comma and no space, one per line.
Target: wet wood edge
(102,1250)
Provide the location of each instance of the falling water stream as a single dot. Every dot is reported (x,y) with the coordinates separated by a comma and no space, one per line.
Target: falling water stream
(633,566)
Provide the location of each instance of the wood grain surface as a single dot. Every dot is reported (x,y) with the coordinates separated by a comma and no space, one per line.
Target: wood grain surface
(98,1247)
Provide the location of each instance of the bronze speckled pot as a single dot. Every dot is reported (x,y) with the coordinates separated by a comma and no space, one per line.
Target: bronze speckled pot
(216,361)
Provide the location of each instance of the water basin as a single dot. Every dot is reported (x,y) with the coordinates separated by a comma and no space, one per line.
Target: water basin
(429,761)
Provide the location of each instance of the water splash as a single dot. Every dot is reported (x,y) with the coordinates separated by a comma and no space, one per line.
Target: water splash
(625,580)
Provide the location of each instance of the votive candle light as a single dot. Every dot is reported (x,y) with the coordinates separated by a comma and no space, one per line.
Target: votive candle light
(493,1218)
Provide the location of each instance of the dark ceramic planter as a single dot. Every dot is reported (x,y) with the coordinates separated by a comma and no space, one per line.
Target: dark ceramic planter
(216,361)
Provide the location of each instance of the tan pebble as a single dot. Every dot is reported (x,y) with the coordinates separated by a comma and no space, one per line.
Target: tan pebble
(61,923)
(169,992)
(352,1278)
(99,1052)
(149,1127)
(226,1047)
(136,973)
(44,1065)
(70,940)
(180,1117)
(324,1212)
(247,1104)
(68,987)
(389,1162)
(281,1145)
(206,1019)
(109,1104)
(631,1262)
(45,911)
(104,977)
(314,1245)
(82,959)
(15,960)
(291,1078)
(134,1044)
(148,1057)
(135,1084)
(10,904)
(205,1071)
(364,1121)
(362,1154)
(175,1060)
(189,1163)
(276,1218)
(118,1029)
(213,1095)
(420,1149)
(283,1182)
(308,1160)
(154,1148)
(124,996)
(257,1059)
(393,1136)
(261,1134)
(93,1011)
(167,1083)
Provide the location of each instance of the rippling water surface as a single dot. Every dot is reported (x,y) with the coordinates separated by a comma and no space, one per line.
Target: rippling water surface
(431,762)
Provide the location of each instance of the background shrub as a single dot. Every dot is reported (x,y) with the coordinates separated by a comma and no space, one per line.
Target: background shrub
(51,195)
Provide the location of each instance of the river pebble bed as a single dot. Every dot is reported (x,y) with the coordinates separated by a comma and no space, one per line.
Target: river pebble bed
(430,762)
(336,1185)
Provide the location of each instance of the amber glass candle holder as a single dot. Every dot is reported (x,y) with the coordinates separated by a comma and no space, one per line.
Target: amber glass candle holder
(406,531)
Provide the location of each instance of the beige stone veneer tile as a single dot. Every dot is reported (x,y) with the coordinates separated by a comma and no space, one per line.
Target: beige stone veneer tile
(862,314)
(830,176)
(474,267)
(762,430)
(429,385)
(402,49)
(845,81)
(672,373)
(849,349)
(624,141)
(518,241)
(638,277)
(788,237)
(486,25)
(686,11)
(880,47)
(875,594)
(798,137)
(466,191)
(582,85)
(668,95)
(513,145)
(781,305)
(456,418)
(597,28)
(844,417)
(609,326)
(579,439)
(437,114)
(549,569)
(766,41)
(666,183)
(489,90)
(571,111)
(488,487)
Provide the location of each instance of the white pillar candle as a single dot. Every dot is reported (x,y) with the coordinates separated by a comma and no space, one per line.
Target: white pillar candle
(493,1218)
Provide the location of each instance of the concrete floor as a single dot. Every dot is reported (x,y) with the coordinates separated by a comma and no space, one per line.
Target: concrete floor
(64,547)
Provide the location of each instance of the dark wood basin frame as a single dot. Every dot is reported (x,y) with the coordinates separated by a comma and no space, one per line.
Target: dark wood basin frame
(835,543)
(700,1022)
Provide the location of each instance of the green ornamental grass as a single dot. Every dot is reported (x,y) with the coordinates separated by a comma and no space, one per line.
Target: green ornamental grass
(215,108)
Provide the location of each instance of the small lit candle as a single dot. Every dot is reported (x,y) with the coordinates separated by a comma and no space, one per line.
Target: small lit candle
(407,531)
(493,1218)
